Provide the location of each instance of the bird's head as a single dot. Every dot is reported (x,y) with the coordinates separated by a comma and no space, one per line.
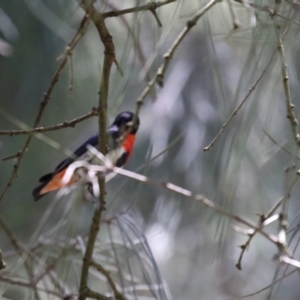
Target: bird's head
(126,122)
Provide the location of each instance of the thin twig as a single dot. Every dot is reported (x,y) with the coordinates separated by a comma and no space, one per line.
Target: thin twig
(109,58)
(276,143)
(294,126)
(12,156)
(51,266)
(151,6)
(287,260)
(159,76)
(65,124)
(96,295)
(71,77)
(117,294)
(137,45)
(201,198)
(252,88)
(278,241)
(267,9)
(251,234)
(285,79)
(261,223)
(39,136)
(79,34)
(108,166)
(18,282)
(153,11)
(19,250)
(265,288)
(43,104)
(235,21)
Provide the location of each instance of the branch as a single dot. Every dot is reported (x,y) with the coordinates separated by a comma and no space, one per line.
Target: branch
(79,34)
(265,288)
(12,156)
(235,21)
(294,126)
(107,166)
(200,198)
(19,250)
(252,88)
(29,285)
(159,76)
(65,124)
(136,42)
(39,136)
(109,58)
(286,260)
(268,10)
(285,79)
(44,103)
(117,294)
(96,295)
(151,6)
(264,221)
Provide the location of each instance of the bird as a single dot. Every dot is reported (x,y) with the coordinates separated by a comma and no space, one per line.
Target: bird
(120,140)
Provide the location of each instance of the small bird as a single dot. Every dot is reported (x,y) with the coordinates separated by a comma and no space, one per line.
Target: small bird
(120,139)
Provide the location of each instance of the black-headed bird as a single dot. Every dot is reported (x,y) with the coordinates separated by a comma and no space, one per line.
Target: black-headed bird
(120,139)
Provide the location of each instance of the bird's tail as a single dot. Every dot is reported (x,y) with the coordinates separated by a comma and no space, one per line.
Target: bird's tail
(52,183)
(36,193)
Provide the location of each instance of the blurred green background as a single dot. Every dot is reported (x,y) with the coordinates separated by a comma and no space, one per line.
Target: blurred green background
(196,249)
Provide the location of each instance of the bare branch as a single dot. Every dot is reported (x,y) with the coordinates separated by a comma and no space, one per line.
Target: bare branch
(108,166)
(282,235)
(65,124)
(43,105)
(151,6)
(235,21)
(117,294)
(159,76)
(12,156)
(29,285)
(285,79)
(39,136)
(264,221)
(201,198)
(252,88)
(267,9)
(265,288)
(19,250)
(96,295)
(109,58)
(289,261)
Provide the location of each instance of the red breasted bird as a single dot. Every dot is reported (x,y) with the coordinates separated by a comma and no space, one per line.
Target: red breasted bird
(118,153)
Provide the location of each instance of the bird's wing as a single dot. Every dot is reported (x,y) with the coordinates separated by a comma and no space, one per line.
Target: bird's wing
(93,141)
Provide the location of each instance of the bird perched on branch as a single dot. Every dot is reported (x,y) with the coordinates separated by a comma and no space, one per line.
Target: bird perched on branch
(120,141)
